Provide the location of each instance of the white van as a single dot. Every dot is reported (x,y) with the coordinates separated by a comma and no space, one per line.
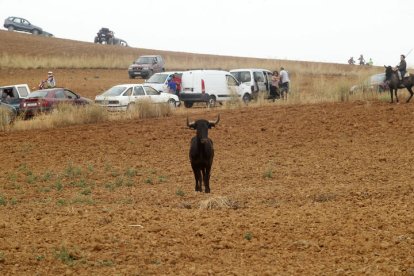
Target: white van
(159,81)
(209,86)
(258,80)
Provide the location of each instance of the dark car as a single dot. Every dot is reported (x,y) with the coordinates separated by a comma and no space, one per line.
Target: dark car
(47,99)
(14,23)
(7,113)
(145,66)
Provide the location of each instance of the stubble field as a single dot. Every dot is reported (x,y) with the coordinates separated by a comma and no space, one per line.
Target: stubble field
(300,189)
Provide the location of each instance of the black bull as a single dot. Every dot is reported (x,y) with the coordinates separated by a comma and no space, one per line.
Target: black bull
(202,153)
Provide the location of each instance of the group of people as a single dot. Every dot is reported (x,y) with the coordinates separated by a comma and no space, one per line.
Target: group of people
(361,60)
(174,84)
(279,86)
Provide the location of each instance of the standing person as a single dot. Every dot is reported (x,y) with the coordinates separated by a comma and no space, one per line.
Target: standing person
(172,86)
(50,82)
(177,80)
(361,60)
(402,67)
(370,62)
(274,86)
(284,83)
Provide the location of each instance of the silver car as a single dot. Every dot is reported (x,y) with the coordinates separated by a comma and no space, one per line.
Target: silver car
(14,23)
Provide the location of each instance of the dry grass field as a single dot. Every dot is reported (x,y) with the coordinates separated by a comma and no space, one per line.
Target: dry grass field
(319,185)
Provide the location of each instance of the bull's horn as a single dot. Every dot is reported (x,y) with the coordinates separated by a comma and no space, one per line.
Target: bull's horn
(190,124)
(216,122)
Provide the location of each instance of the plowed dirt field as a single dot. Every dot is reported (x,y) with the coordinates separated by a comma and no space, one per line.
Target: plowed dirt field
(323,189)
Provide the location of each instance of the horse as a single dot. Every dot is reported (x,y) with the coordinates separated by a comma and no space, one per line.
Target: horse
(393,82)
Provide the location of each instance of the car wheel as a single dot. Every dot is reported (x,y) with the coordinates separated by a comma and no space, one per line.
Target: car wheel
(131,77)
(172,103)
(10,28)
(35,32)
(246,98)
(188,104)
(211,101)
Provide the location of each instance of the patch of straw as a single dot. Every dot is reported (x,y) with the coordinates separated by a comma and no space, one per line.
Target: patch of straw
(218,202)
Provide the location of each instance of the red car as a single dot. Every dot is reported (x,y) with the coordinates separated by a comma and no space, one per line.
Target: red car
(47,99)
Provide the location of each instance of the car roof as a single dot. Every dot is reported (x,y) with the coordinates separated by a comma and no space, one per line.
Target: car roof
(250,69)
(169,72)
(129,84)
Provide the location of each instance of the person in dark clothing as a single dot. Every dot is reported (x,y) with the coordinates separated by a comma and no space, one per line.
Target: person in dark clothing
(402,67)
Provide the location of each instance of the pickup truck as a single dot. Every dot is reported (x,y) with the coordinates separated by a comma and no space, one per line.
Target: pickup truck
(13,94)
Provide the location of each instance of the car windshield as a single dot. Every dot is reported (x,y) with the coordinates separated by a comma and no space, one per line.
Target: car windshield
(114,91)
(158,78)
(242,76)
(144,60)
(38,94)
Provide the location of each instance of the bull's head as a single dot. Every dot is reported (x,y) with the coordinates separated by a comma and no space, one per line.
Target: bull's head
(202,127)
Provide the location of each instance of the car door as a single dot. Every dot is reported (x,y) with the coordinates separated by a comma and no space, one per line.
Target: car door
(72,98)
(25,25)
(139,94)
(154,95)
(232,85)
(259,80)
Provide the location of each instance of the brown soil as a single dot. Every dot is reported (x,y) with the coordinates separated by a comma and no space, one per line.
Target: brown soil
(314,189)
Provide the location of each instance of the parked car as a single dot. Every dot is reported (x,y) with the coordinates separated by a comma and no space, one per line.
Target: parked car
(373,83)
(122,97)
(258,80)
(47,99)
(146,66)
(14,23)
(7,113)
(210,86)
(159,81)
(14,94)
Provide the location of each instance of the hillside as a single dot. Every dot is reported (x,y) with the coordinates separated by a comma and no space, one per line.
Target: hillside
(90,68)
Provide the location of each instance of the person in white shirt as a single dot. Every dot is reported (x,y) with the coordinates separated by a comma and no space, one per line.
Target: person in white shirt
(284,82)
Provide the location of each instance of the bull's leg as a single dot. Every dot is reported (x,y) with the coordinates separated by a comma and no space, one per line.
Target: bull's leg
(207,179)
(411,93)
(197,176)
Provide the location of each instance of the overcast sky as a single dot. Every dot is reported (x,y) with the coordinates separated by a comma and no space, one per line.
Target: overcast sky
(318,30)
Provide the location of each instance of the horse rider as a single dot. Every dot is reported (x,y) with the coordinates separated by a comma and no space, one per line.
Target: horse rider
(402,67)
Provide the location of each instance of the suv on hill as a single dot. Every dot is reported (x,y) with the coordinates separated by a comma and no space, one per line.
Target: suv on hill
(13,23)
(145,66)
